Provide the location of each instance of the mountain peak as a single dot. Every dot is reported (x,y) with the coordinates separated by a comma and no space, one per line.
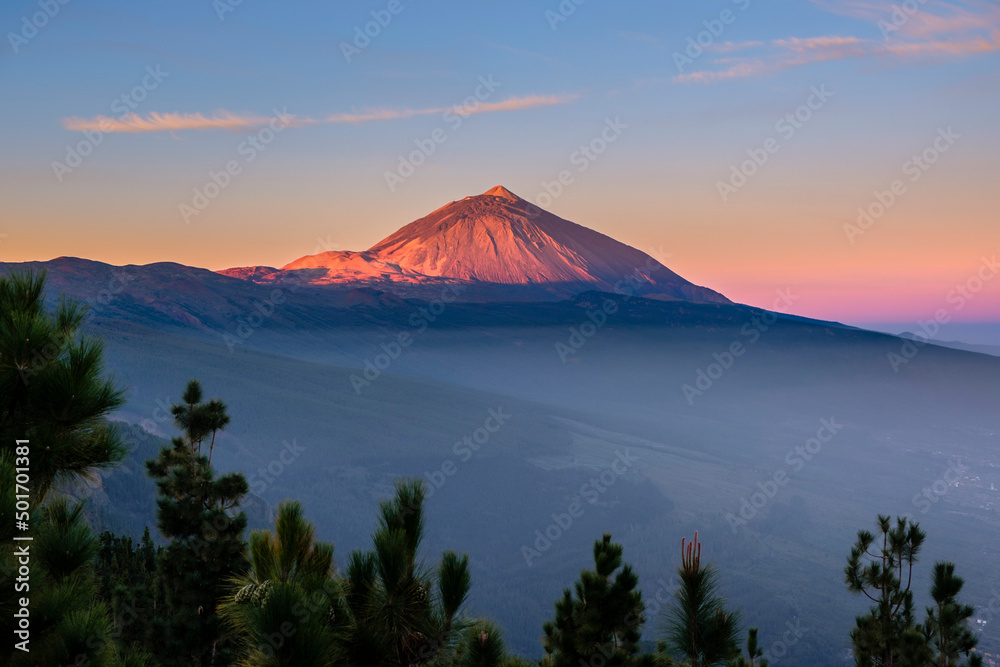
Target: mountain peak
(501,191)
(497,238)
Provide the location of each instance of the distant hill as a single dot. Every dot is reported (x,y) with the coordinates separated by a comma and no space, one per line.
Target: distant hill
(993,350)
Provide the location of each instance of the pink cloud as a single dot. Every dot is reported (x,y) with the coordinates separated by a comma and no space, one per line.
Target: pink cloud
(165,122)
(729,47)
(784,53)
(818,44)
(925,24)
(738,71)
(945,48)
(476,107)
(225,120)
(519,103)
(941,30)
(376,114)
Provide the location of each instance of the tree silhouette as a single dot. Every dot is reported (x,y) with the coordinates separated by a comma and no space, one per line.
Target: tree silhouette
(53,388)
(126,578)
(698,625)
(398,611)
(197,512)
(889,635)
(886,581)
(947,620)
(482,646)
(283,610)
(603,620)
(54,398)
(754,653)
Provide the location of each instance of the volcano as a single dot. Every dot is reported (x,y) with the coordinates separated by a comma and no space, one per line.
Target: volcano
(498,239)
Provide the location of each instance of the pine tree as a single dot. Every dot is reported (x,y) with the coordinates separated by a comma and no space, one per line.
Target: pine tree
(482,646)
(754,653)
(396,610)
(889,635)
(127,583)
(283,610)
(947,621)
(699,627)
(198,513)
(603,620)
(66,626)
(886,580)
(53,389)
(54,394)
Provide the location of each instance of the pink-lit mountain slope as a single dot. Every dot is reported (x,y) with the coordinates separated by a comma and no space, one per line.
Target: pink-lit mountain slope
(495,238)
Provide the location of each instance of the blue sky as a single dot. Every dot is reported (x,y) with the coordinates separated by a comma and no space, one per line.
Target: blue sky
(224,68)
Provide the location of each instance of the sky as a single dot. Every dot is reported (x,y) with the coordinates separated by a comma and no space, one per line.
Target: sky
(843,152)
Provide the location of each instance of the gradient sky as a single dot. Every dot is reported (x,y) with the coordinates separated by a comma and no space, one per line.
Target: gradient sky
(320,183)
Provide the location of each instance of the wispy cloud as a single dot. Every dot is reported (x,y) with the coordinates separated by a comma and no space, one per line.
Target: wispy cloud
(730,47)
(519,103)
(165,122)
(510,104)
(738,71)
(934,31)
(225,120)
